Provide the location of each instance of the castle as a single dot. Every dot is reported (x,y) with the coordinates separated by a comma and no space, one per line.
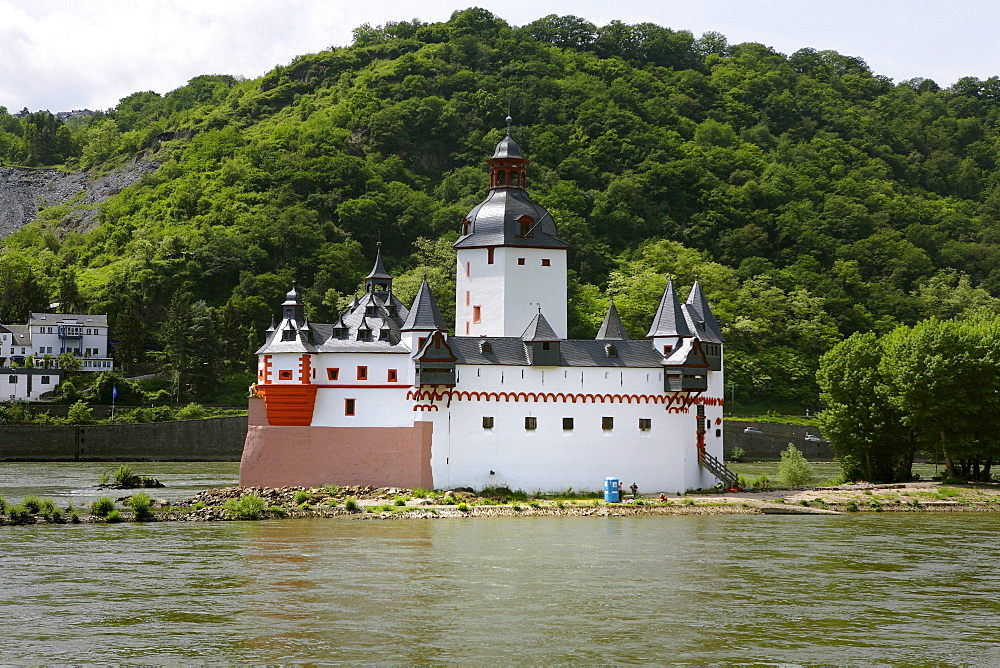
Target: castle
(385,397)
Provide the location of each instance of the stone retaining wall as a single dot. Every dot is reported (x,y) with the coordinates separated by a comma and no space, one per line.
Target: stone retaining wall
(215,439)
(773,440)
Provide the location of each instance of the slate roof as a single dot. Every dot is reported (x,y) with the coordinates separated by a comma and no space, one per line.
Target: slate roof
(495,222)
(539,329)
(700,317)
(508,148)
(68,319)
(612,328)
(378,271)
(572,352)
(424,313)
(22,334)
(670,319)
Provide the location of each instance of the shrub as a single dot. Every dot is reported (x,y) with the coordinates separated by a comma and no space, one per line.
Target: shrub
(123,474)
(534,503)
(515,506)
(104,478)
(351,504)
(47,507)
(332,490)
(32,504)
(3,505)
(852,506)
(420,493)
(55,516)
(20,515)
(640,502)
(102,506)
(449,500)
(192,411)
(80,413)
(794,470)
(737,455)
(463,507)
(278,511)
(761,483)
(199,505)
(249,507)
(688,501)
(301,497)
(742,482)
(141,506)
(114,517)
(74,517)
(560,504)
(399,501)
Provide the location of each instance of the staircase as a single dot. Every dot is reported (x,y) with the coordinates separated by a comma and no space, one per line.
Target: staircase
(728,479)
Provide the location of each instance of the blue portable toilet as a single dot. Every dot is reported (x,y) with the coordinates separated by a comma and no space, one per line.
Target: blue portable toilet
(611,494)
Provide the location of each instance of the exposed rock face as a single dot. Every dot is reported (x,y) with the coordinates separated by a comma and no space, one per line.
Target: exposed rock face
(23,192)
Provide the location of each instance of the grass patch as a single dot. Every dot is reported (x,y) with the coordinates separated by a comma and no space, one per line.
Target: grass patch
(103,506)
(249,507)
(114,517)
(301,496)
(142,507)
(351,504)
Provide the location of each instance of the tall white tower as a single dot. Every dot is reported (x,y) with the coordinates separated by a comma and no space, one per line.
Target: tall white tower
(510,259)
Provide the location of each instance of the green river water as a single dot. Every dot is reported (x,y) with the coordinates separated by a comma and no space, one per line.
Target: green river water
(859,589)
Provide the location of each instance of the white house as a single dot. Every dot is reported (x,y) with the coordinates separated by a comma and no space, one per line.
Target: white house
(384,396)
(51,334)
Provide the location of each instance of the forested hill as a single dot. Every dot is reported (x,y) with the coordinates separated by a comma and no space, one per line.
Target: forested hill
(813,197)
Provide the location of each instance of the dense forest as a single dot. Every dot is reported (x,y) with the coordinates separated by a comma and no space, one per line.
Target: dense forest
(814,198)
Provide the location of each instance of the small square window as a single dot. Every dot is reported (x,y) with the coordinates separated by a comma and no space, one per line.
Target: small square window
(486,347)
(393,376)
(362,373)
(348,406)
(645,424)
(607,423)
(45,380)
(530,423)
(546,345)
(520,261)
(333,374)
(567,424)
(284,374)
(487,422)
(546,262)
(667,350)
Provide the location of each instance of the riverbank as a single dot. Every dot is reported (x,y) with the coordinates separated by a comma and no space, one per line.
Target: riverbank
(371,503)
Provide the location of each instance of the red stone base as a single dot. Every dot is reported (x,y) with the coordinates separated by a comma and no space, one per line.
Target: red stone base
(314,456)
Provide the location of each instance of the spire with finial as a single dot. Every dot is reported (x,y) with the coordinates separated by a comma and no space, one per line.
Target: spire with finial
(379,278)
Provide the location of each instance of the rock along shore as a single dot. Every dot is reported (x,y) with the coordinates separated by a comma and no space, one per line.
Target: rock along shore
(371,503)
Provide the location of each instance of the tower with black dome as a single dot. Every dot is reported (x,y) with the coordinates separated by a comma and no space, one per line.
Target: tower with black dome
(511,261)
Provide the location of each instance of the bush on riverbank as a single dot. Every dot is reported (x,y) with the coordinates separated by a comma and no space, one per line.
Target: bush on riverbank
(82,413)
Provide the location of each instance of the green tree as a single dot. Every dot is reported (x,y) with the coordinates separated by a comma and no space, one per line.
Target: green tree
(793,470)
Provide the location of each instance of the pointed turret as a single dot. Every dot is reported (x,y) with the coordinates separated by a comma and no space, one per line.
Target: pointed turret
(539,329)
(612,329)
(424,314)
(669,320)
(707,327)
(379,278)
(292,308)
(541,343)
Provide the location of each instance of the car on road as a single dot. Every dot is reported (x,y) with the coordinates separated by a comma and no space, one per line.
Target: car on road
(813,438)
(752,430)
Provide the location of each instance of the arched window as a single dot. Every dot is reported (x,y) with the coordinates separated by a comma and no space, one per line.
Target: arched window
(515,179)
(501,178)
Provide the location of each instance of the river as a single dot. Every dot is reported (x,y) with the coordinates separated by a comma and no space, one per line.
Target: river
(859,589)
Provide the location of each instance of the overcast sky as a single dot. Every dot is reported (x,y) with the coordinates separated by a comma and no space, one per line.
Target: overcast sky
(67,54)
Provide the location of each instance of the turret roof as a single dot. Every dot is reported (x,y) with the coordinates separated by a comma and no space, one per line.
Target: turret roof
(700,313)
(669,319)
(612,328)
(378,271)
(424,313)
(496,221)
(539,329)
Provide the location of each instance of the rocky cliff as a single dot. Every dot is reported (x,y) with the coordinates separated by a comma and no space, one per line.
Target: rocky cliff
(24,192)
